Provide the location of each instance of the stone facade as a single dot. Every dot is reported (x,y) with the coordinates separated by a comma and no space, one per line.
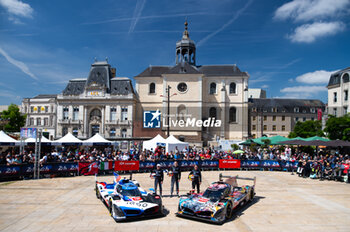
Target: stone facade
(196,91)
(338,93)
(273,116)
(41,113)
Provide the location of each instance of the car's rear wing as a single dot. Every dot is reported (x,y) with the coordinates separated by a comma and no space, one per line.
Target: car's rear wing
(235,178)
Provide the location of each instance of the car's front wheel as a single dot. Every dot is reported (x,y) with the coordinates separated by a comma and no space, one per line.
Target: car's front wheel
(228,214)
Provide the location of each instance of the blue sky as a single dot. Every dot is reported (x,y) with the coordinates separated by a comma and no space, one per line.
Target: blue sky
(288,47)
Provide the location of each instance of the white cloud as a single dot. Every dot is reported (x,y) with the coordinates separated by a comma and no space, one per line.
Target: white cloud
(306,10)
(308,33)
(316,77)
(265,86)
(19,64)
(302,91)
(18,8)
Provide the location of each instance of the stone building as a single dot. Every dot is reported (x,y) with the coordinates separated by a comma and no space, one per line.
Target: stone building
(196,91)
(101,103)
(338,93)
(41,113)
(274,116)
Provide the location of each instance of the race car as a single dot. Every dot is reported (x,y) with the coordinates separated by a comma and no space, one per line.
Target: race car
(125,199)
(218,201)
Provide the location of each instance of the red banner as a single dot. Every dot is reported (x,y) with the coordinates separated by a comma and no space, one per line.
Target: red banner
(319,114)
(126,166)
(88,168)
(229,163)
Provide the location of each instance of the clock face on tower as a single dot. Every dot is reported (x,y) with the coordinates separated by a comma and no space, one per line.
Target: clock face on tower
(182,87)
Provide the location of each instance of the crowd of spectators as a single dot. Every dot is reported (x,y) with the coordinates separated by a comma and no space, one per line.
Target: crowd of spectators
(319,164)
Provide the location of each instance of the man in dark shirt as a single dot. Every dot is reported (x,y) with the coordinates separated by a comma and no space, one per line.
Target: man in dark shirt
(197,178)
(158,179)
(175,178)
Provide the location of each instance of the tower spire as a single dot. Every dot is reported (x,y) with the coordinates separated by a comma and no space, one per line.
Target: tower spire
(186,35)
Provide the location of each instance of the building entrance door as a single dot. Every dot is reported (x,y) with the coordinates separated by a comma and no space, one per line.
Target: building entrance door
(95,129)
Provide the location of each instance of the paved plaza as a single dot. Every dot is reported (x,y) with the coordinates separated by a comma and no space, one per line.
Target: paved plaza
(283,202)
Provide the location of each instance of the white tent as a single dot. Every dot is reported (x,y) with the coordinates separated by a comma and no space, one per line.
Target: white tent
(32,140)
(6,140)
(172,143)
(97,139)
(153,143)
(68,139)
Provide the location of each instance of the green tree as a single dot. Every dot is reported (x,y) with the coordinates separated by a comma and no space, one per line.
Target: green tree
(307,129)
(338,127)
(15,120)
(234,146)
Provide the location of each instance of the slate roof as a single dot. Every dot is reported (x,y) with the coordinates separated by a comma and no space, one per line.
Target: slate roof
(335,77)
(207,70)
(74,87)
(285,105)
(121,86)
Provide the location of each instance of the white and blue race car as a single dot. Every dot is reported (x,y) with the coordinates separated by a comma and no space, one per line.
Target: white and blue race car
(125,199)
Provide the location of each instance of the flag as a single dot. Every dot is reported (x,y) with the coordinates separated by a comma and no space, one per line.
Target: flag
(88,168)
(116,177)
(106,165)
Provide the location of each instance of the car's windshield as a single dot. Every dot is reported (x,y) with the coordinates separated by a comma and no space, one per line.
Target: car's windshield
(130,192)
(213,194)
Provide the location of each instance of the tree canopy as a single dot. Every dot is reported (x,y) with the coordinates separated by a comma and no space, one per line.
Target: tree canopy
(15,120)
(338,127)
(307,129)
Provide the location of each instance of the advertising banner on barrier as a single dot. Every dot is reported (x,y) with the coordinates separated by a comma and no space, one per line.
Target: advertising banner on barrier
(188,164)
(88,168)
(147,165)
(67,167)
(209,164)
(229,163)
(250,164)
(289,164)
(165,164)
(270,164)
(10,170)
(126,166)
(27,169)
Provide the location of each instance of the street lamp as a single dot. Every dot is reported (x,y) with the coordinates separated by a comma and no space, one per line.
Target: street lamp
(167,90)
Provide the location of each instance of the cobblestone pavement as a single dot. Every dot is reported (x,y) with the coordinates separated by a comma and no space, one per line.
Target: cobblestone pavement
(283,202)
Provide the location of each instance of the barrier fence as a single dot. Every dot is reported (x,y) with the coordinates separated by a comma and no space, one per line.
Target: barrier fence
(90,168)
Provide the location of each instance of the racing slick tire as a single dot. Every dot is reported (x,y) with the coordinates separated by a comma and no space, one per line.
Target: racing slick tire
(110,206)
(229,211)
(251,195)
(98,196)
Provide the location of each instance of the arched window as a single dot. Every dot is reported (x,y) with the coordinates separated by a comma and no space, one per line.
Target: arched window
(232,88)
(123,133)
(346,78)
(233,116)
(152,88)
(181,112)
(212,88)
(212,112)
(95,114)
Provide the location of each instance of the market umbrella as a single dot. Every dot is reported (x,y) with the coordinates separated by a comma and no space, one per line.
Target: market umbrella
(276,140)
(238,152)
(316,138)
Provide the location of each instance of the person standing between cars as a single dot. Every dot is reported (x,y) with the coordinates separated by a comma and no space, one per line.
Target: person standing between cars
(197,178)
(175,178)
(158,179)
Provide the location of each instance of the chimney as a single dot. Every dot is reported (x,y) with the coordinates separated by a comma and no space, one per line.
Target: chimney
(113,71)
